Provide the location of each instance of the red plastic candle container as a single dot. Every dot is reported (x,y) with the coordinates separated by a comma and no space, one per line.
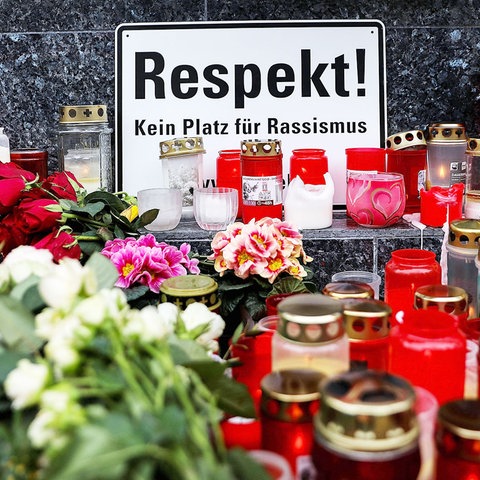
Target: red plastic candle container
(439,202)
(31,159)
(262,179)
(367,322)
(229,173)
(290,398)
(254,351)
(428,349)
(407,270)
(310,164)
(241,432)
(365,159)
(458,441)
(366,428)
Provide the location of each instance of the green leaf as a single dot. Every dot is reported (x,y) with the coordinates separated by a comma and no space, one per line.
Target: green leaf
(110,199)
(148,217)
(8,361)
(90,209)
(27,294)
(136,292)
(104,270)
(245,467)
(185,351)
(17,326)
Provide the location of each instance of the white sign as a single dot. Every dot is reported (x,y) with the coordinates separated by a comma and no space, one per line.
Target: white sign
(310,84)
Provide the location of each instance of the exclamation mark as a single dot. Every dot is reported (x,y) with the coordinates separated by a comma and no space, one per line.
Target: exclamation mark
(361,70)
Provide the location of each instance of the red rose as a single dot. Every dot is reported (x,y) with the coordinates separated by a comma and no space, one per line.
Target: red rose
(32,216)
(10,192)
(63,185)
(12,170)
(61,244)
(11,236)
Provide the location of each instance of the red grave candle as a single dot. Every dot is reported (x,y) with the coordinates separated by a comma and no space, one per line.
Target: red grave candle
(31,159)
(229,173)
(438,202)
(310,164)
(430,351)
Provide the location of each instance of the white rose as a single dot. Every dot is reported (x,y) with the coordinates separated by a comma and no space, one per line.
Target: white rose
(40,431)
(197,314)
(25,383)
(92,310)
(169,312)
(24,261)
(147,325)
(116,303)
(62,353)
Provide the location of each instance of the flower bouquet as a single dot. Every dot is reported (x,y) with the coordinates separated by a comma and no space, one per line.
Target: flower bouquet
(254,260)
(94,389)
(58,215)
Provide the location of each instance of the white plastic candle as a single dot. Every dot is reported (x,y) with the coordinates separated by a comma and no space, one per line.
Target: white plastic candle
(309,206)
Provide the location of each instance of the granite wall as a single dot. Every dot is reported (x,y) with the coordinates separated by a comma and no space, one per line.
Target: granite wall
(62,53)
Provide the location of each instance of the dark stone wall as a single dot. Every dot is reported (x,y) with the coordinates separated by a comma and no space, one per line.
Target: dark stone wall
(56,53)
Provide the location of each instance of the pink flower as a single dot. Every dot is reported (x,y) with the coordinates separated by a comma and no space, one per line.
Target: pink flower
(241,260)
(274,267)
(260,241)
(129,264)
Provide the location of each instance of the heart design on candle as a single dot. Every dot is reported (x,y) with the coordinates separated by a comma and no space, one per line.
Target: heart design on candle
(388,201)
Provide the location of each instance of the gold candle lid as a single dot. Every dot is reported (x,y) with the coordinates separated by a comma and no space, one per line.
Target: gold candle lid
(366,319)
(83,114)
(367,411)
(282,388)
(446,133)
(464,233)
(261,148)
(310,318)
(181,146)
(446,298)
(410,140)
(473,146)
(348,289)
(186,289)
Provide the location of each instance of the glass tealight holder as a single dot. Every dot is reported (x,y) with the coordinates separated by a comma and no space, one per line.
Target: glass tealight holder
(214,208)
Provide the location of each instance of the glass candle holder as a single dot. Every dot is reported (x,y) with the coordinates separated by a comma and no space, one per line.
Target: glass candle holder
(429,350)
(375,200)
(182,168)
(31,159)
(348,289)
(168,201)
(457,440)
(262,179)
(407,270)
(84,141)
(446,146)
(310,164)
(290,398)
(370,278)
(462,249)
(366,428)
(310,334)
(214,208)
(367,322)
(472,156)
(229,173)
(441,204)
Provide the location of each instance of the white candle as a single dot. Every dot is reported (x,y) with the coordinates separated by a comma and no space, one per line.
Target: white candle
(309,206)
(214,208)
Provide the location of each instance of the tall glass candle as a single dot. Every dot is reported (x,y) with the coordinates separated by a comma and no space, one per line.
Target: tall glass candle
(229,173)
(429,350)
(262,179)
(34,160)
(310,164)
(407,270)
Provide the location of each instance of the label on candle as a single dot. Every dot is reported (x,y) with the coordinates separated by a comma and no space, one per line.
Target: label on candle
(259,191)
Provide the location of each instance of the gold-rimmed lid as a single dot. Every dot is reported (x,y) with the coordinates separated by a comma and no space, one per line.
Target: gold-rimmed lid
(310,318)
(464,233)
(181,146)
(348,289)
(366,319)
(446,298)
(367,411)
(447,133)
(83,114)
(409,140)
(473,146)
(260,148)
(461,417)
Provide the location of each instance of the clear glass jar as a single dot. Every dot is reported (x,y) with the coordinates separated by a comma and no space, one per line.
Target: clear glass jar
(310,334)
(406,270)
(472,156)
(262,179)
(366,428)
(182,168)
(85,149)
(446,146)
(462,249)
(457,439)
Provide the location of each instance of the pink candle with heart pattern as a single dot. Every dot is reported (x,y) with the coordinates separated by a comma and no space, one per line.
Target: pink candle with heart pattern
(375,200)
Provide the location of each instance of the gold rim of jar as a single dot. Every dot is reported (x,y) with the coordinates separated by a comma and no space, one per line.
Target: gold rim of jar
(181,146)
(446,133)
(473,146)
(447,298)
(83,113)
(186,289)
(260,148)
(411,139)
(348,289)
(461,418)
(464,233)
